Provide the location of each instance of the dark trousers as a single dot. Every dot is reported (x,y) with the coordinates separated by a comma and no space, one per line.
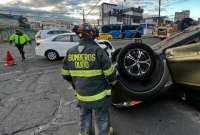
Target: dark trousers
(21,50)
(102,122)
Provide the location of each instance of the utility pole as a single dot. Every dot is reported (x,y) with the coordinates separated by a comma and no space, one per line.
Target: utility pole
(83,15)
(159,19)
(122,12)
(102,14)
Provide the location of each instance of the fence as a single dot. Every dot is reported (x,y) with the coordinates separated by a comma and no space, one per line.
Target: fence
(5,33)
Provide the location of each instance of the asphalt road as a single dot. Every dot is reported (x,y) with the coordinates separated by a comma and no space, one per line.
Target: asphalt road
(35,100)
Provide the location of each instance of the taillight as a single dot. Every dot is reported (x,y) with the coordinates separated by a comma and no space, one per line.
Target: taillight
(37,44)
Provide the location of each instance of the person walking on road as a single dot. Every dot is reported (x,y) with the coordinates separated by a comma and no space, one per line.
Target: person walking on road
(20,39)
(90,71)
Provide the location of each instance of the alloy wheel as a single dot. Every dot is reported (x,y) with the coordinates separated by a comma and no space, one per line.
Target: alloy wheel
(137,62)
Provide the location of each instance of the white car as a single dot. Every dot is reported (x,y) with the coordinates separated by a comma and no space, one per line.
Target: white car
(57,46)
(43,34)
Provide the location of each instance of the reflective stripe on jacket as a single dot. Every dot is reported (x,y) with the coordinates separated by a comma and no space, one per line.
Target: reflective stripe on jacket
(91,71)
(19,39)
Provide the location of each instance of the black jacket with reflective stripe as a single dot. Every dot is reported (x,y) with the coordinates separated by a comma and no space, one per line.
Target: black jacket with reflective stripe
(90,70)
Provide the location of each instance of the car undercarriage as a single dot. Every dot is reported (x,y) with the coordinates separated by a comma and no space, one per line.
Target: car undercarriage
(147,71)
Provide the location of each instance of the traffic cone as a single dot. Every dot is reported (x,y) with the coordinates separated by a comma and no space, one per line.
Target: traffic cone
(9,59)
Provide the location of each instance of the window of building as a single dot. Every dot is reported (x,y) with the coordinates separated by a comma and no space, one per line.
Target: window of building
(119,18)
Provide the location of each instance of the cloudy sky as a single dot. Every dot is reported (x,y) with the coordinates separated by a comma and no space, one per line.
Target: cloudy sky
(72,8)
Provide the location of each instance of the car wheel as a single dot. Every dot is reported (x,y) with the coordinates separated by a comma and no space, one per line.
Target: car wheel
(137,85)
(52,55)
(136,61)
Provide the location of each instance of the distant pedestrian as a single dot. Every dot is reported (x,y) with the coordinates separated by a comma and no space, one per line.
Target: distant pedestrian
(20,39)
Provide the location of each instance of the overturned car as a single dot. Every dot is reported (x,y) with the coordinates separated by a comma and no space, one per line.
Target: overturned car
(146,71)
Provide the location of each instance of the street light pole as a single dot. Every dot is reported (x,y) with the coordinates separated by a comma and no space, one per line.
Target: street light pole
(83,15)
(159,19)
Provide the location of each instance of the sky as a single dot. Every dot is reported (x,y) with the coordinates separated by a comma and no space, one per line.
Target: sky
(73,8)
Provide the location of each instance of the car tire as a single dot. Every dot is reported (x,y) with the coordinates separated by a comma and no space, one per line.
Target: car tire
(52,55)
(137,60)
(127,89)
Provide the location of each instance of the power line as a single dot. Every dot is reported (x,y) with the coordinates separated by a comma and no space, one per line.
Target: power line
(93,7)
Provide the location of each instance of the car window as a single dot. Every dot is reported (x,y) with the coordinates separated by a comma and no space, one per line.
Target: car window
(63,38)
(108,44)
(52,32)
(101,42)
(38,35)
(75,38)
(57,32)
(63,31)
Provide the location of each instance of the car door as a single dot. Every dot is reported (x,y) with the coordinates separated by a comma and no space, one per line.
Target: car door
(184,63)
(63,43)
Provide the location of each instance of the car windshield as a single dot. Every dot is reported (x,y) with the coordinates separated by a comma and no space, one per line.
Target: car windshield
(162,30)
(38,35)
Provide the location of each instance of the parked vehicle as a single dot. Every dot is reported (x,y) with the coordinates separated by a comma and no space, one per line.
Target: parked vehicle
(114,30)
(147,71)
(56,46)
(121,31)
(147,28)
(129,31)
(104,36)
(42,34)
(161,32)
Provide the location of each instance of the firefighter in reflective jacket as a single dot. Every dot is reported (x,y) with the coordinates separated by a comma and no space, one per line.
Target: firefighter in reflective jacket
(20,39)
(90,71)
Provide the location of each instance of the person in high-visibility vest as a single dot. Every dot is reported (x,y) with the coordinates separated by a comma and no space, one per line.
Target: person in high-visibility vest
(90,71)
(20,39)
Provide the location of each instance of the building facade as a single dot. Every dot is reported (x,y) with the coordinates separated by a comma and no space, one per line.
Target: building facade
(179,16)
(113,14)
(164,20)
(61,24)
